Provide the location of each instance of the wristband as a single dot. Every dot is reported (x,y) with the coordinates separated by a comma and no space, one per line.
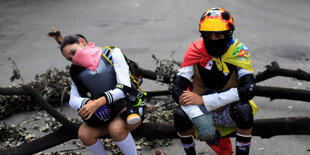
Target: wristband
(84,102)
(108,97)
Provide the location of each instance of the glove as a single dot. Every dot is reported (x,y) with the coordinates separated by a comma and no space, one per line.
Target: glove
(137,100)
(206,130)
(103,113)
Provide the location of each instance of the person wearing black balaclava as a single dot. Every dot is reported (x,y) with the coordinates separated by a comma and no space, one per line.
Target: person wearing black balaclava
(214,88)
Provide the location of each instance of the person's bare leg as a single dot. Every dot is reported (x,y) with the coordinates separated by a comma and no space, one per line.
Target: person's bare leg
(117,129)
(123,139)
(89,136)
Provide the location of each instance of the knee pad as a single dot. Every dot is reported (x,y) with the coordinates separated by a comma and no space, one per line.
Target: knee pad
(247,88)
(182,123)
(241,112)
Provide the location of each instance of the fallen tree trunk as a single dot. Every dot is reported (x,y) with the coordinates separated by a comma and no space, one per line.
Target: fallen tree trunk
(264,128)
(267,128)
(264,91)
(283,93)
(275,70)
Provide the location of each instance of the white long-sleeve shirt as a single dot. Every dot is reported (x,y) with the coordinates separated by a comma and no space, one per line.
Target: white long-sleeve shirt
(122,76)
(211,101)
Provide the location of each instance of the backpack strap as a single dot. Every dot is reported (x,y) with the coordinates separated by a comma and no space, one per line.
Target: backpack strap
(132,71)
(106,53)
(107,50)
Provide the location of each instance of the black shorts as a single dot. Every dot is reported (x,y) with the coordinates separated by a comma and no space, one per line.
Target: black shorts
(115,108)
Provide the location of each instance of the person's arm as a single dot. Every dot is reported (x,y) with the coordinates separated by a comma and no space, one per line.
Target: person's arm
(183,80)
(122,76)
(76,101)
(245,91)
(92,106)
(79,103)
(247,85)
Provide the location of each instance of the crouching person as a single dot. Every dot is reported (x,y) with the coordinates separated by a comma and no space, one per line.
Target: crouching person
(215,87)
(96,72)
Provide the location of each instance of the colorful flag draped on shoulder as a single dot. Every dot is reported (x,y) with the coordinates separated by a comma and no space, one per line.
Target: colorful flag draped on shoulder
(237,55)
(196,53)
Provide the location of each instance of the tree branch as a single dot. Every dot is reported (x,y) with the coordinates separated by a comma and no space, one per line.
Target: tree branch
(263,91)
(275,70)
(283,93)
(153,76)
(59,136)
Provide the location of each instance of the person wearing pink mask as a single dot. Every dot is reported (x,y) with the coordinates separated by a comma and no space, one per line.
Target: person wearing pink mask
(95,74)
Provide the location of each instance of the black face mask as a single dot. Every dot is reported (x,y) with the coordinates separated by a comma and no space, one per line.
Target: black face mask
(216,48)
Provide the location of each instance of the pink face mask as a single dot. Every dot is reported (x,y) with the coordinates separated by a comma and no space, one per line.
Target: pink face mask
(88,57)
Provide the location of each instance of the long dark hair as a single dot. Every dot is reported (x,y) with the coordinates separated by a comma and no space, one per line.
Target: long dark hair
(71,39)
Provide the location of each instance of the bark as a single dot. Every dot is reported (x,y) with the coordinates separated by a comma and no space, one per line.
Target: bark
(263,91)
(283,93)
(158,93)
(264,128)
(275,70)
(153,76)
(267,128)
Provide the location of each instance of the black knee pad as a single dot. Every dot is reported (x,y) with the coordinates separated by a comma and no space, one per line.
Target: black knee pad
(242,113)
(182,122)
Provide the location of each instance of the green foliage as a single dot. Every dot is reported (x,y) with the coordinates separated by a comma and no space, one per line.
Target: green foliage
(16,73)
(15,76)
(13,103)
(52,83)
(166,68)
(13,135)
(12,132)
(161,112)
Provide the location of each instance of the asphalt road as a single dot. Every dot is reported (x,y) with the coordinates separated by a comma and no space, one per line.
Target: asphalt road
(275,30)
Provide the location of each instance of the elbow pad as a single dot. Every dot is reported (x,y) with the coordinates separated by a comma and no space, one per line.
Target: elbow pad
(179,85)
(247,88)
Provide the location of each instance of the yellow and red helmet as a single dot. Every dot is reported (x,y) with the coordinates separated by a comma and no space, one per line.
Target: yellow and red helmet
(216,20)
